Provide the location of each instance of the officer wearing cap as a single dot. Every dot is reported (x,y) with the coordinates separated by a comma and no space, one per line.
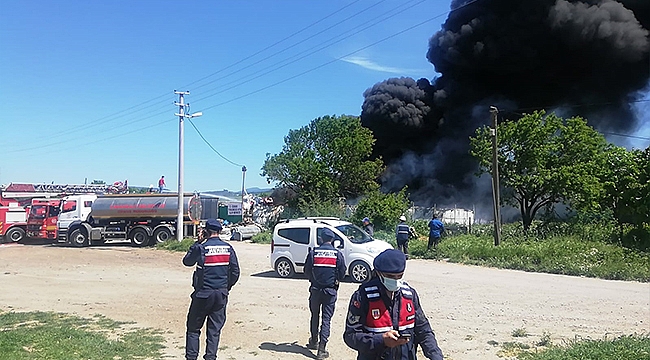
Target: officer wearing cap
(368,227)
(324,267)
(385,319)
(217,270)
(403,233)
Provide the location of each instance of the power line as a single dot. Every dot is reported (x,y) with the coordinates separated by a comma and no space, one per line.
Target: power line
(114,116)
(308,52)
(210,145)
(627,136)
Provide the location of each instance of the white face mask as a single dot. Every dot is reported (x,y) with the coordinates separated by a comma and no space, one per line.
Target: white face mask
(391,284)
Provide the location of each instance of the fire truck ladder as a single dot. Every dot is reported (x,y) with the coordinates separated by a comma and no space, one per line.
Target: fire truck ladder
(71,188)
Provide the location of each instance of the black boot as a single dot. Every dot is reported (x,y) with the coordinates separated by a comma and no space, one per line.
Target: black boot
(312,344)
(322,353)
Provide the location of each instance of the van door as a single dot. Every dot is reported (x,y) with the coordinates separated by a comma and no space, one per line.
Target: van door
(299,243)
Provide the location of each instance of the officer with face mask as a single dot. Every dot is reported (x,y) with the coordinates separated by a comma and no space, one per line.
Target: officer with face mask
(217,270)
(385,319)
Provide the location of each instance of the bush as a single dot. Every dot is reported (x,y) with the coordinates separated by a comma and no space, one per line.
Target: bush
(264,237)
(174,245)
(383,210)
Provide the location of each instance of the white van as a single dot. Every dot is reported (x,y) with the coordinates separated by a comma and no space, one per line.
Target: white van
(293,238)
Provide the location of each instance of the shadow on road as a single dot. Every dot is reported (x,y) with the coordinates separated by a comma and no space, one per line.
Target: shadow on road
(292,348)
(271,274)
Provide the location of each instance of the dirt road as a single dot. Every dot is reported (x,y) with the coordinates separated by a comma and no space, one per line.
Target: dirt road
(469,307)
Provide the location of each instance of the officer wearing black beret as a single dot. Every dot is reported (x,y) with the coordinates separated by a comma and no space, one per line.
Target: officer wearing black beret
(217,270)
(325,268)
(385,320)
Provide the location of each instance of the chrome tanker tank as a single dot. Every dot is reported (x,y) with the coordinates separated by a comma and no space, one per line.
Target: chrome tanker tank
(156,206)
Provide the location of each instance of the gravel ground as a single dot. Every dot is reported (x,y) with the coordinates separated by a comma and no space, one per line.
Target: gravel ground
(471,309)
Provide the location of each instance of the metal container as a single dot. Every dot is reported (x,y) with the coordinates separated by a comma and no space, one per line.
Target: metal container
(144,207)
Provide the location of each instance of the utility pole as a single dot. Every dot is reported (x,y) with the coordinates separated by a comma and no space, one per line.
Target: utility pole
(495,177)
(181,136)
(243,180)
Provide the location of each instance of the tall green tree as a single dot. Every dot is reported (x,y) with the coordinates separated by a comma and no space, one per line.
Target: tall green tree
(326,160)
(544,159)
(621,187)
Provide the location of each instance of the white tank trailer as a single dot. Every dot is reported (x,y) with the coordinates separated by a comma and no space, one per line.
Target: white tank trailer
(142,219)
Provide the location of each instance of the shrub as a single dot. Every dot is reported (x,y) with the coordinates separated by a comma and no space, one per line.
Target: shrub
(264,237)
(633,347)
(383,210)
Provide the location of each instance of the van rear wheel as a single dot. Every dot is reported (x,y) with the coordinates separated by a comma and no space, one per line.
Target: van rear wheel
(284,268)
(360,271)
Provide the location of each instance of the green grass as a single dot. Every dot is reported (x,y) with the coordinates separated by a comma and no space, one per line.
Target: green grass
(633,347)
(264,237)
(56,336)
(175,245)
(580,252)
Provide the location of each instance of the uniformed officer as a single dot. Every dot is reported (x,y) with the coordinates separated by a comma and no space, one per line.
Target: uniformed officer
(385,320)
(324,267)
(403,233)
(217,270)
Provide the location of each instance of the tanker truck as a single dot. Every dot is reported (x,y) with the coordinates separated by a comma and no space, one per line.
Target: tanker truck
(141,219)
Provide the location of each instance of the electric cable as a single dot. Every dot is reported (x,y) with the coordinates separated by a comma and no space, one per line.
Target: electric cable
(210,145)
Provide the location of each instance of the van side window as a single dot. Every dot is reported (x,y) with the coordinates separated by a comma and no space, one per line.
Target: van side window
(88,203)
(70,205)
(320,241)
(298,235)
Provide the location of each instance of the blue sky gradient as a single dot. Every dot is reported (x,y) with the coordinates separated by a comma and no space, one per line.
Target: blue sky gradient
(88,86)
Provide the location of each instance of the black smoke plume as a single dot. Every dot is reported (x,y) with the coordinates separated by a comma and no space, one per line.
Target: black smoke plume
(520,55)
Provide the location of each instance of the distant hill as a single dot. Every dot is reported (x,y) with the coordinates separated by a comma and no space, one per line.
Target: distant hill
(228,193)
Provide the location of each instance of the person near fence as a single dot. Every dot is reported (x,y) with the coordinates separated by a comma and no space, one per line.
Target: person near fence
(325,268)
(217,270)
(436,229)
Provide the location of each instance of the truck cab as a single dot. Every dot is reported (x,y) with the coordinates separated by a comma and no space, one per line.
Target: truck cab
(42,218)
(73,208)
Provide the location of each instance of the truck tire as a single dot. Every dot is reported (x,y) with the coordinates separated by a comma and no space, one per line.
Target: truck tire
(139,237)
(78,238)
(15,234)
(162,234)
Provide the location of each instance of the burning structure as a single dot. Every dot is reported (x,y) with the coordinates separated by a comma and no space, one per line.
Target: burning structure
(575,57)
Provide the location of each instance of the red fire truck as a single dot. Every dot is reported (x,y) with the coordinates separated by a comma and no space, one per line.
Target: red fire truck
(12,219)
(17,220)
(41,220)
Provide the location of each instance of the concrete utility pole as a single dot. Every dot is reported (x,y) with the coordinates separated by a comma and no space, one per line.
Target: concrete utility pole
(181,136)
(495,178)
(243,180)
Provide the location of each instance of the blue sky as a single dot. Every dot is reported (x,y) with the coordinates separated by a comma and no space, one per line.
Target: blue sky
(87,86)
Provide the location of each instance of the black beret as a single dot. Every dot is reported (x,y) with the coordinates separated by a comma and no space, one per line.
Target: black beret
(327,234)
(390,261)
(213,224)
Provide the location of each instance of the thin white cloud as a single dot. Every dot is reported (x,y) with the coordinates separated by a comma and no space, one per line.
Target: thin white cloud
(371,65)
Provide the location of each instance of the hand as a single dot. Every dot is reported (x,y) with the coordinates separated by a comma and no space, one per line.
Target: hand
(391,339)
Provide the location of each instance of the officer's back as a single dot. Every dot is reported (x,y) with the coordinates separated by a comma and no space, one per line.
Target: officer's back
(325,266)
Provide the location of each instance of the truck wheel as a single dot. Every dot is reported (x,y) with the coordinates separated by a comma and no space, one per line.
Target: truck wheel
(78,238)
(139,237)
(15,234)
(360,271)
(162,234)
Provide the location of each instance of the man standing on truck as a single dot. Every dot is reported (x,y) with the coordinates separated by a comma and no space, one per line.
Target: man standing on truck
(325,268)
(217,270)
(161,184)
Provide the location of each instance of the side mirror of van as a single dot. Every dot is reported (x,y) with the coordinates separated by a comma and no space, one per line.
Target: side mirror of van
(338,244)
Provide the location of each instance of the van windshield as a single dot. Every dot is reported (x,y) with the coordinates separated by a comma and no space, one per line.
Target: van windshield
(354,234)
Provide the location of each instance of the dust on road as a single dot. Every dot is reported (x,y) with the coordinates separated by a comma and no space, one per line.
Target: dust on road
(469,307)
